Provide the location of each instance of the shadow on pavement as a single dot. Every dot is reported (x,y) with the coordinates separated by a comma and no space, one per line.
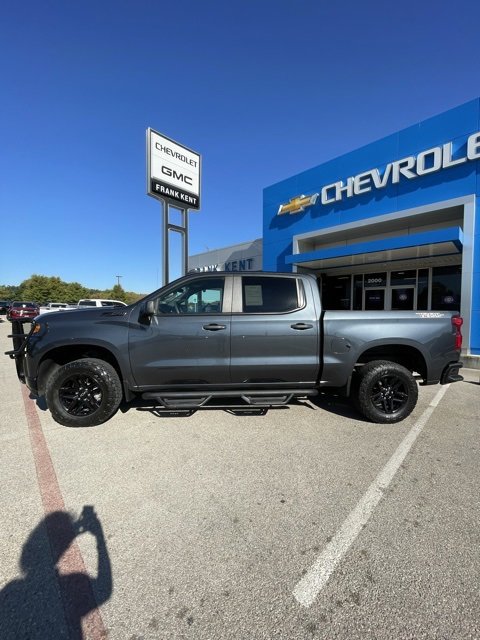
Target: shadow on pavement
(44,604)
(338,405)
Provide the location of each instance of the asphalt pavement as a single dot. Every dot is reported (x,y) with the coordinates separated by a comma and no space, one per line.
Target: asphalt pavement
(307,522)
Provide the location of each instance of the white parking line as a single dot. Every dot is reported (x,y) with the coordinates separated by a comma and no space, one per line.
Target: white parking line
(317,576)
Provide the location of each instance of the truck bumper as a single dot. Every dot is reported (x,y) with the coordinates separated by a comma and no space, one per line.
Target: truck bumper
(32,385)
(450,373)
(20,355)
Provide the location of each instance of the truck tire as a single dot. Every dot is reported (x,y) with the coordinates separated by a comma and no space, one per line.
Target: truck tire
(83,393)
(386,392)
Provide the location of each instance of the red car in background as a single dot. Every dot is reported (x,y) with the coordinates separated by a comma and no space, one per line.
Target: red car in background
(23,311)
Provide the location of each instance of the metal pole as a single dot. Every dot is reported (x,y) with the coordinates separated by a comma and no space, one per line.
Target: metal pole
(167,228)
(185,242)
(165,256)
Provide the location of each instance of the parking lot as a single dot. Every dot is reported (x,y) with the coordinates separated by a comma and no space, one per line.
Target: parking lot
(306,522)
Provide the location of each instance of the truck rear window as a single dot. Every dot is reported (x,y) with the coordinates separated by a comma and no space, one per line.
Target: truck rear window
(262,294)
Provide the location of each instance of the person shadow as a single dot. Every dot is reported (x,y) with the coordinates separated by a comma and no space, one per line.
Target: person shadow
(52,597)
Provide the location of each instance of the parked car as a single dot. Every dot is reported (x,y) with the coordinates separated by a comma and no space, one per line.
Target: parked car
(100,302)
(268,341)
(23,311)
(4,306)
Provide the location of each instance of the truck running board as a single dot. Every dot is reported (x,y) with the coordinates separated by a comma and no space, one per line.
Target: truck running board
(220,399)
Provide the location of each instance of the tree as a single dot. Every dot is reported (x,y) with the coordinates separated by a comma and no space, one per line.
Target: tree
(9,292)
(118,293)
(75,292)
(44,289)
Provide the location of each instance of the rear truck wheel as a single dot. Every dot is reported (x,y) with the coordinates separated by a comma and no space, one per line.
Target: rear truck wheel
(83,393)
(386,392)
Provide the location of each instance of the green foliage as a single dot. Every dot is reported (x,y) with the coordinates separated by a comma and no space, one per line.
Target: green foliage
(9,292)
(43,289)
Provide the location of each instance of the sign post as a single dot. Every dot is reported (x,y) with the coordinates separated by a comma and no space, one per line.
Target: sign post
(173,177)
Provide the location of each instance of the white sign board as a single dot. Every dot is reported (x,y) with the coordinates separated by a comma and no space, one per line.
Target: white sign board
(253,295)
(173,171)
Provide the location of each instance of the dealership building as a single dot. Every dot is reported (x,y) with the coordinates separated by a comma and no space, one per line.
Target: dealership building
(390,226)
(245,256)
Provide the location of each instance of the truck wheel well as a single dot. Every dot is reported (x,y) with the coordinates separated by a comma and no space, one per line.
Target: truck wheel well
(409,357)
(62,355)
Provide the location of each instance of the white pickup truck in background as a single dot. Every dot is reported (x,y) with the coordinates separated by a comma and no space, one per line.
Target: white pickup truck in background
(56,306)
(85,302)
(100,302)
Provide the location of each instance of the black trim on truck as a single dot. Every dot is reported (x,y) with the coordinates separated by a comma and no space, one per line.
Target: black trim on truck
(450,373)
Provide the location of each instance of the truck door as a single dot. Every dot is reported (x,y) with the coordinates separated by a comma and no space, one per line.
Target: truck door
(275,333)
(188,338)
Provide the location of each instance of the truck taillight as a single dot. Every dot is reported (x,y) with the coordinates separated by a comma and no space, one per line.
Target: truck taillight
(457,322)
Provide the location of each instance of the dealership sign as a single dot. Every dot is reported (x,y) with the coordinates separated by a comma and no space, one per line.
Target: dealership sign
(173,171)
(231,265)
(410,167)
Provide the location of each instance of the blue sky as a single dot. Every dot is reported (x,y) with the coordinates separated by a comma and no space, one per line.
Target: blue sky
(262,89)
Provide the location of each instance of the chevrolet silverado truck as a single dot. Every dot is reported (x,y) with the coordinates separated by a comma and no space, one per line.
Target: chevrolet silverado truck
(256,339)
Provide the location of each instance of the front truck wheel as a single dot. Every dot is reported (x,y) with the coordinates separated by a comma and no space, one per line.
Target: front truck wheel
(83,393)
(386,392)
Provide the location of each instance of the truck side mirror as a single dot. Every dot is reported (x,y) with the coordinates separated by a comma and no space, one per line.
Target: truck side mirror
(147,311)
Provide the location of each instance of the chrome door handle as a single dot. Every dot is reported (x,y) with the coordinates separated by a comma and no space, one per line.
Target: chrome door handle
(214,327)
(301,326)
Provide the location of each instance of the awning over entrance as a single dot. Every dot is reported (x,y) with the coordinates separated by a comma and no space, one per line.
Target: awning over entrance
(438,242)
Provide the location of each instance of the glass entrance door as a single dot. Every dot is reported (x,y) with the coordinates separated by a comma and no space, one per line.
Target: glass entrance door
(403,298)
(374,299)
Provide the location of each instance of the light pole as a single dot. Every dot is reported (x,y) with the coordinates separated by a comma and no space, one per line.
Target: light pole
(118,279)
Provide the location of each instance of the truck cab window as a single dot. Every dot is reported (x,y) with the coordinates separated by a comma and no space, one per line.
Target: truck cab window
(269,295)
(198,296)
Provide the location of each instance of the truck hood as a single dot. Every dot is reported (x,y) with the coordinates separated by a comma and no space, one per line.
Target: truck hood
(87,314)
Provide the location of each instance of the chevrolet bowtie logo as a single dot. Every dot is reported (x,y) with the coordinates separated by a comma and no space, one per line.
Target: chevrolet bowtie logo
(298,204)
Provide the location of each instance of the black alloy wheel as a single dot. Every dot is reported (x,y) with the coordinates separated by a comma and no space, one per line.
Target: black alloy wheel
(80,395)
(386,392)
(389,394)
(83,393)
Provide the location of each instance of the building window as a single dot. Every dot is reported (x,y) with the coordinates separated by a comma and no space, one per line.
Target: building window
(446,288)
(436,289)
(403,277)
(336,292)
(403,298)
(375,280)
(374,299)
(358,292)
(422,290)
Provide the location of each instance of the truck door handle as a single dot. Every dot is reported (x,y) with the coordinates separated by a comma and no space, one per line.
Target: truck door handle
(214,327)
(301,326)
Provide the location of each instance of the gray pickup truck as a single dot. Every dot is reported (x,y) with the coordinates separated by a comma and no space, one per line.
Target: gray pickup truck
(254,340)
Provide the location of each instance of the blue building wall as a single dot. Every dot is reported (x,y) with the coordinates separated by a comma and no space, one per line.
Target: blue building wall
(452,182)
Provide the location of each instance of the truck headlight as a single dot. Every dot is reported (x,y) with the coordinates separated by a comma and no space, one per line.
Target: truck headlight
(37,328)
